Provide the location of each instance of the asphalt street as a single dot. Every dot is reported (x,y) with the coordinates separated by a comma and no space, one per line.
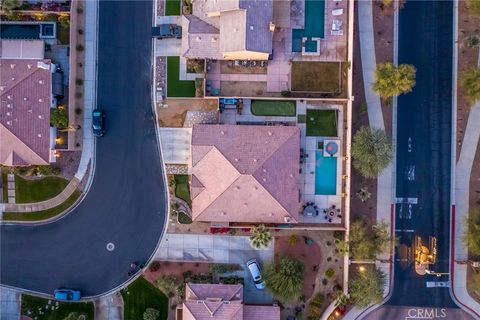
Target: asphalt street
(126,204)
(423,168)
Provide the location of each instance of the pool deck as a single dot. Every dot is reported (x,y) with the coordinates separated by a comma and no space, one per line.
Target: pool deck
(307,184)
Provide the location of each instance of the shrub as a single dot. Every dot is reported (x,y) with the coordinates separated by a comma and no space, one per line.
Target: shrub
(473,41)
(231,280)
(167,284)
(471,237)
(363,194)
(154,266)
(151,314)
(293,240)
(79,47)
(78,94)
(59,117)
(78,111)
(473,7)
(79,10)
(80,31)
(223,268)
(187,274)
(371,151)
(470,81)
(329,273)
(286,93)
(232,231)
(79,82)
(285,279)
(64,20)
(392,81)
(315,306)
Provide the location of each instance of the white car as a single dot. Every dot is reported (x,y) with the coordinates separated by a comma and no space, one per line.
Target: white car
(254,269)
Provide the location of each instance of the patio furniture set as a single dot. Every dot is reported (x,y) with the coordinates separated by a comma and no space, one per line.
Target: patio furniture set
(248,63)
(310,209)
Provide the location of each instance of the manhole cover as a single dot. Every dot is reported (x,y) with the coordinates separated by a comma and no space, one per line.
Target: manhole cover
(110,246)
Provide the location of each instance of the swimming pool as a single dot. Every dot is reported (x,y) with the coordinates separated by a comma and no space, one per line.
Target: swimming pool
(325,174)
(314,24)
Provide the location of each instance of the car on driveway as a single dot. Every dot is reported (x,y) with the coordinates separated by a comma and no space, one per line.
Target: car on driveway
(254,269)
(67,295)
(98,122)
(165,31)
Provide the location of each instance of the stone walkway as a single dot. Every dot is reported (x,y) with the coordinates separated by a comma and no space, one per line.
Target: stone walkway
(11,188)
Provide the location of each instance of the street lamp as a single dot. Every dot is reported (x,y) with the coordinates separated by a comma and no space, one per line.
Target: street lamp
(438,274)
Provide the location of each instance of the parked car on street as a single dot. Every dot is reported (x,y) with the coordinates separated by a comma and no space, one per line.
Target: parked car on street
(98,123)
(254,269)
(67,295)
(165,31)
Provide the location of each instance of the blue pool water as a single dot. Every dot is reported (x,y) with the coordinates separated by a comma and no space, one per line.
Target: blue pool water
(325,174)
(314,24)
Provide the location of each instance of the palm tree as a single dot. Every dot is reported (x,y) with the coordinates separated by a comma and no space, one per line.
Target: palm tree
(371,151)
(285,279)
(8,5)
(363,194)
(391,81)
(260,237)
(366,287)
(471,237)
(470,80)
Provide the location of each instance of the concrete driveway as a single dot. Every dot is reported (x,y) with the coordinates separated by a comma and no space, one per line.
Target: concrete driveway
(220,249)
(10,301)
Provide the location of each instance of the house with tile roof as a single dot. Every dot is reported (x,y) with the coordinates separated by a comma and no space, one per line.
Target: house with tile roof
(245,173)
(228,30)
(25,102)
(221,302)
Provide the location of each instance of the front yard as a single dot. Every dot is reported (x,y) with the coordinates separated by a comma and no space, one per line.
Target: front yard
(177,88)
(141,295)
(322,77)
(172,7)
(36,190)
(321,123)
(182,189)
(273,108)
(43,309)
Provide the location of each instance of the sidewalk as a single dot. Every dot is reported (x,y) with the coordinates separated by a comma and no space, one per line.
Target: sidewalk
(88,151)
(109,307)
(10,301)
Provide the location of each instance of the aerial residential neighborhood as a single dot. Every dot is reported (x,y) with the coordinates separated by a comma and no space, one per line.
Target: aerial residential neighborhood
(239,159)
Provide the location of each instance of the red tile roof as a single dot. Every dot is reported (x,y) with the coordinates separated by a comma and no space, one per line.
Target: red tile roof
(245,173)
(25,94)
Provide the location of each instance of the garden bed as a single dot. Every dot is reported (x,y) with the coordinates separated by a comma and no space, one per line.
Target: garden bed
(182,189)
(322,123)
(177,88)
(172,7)
(31,305)
(273,108)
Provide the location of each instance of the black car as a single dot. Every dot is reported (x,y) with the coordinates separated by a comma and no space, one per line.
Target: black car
(98,122)
(165,31)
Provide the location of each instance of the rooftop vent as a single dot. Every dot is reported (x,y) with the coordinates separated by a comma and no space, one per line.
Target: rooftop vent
(9,113)
(287,219)
(9,105)
(12,66)
(270,133)
(237,188)
(198,39)
(9,123)
(29,66)
(214,39)
(39,135)
(40,100)
(235,29)
(251,27)
(25,98)
(43,65)
(40,116)
(9,97)
(2,88)
(40,81)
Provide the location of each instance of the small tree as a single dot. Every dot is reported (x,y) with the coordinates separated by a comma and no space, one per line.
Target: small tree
(363,194)
(470,81)
(293,240)
(315,309)
(167,284)
(371,151)
(151,314)
(366,287)
(59,117)
(285,279)
(471,236)
(260,237)
(391,81)
(473,7)
(9,5)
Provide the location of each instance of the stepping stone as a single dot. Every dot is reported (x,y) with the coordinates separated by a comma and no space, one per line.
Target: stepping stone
(11,193)
(11,199)
(11,177)
(11,185)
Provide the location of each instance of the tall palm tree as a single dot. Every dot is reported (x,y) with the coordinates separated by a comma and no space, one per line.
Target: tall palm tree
(260,237)
(371,151)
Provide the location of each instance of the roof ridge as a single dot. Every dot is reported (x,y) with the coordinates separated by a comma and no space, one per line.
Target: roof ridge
(234,293)
(28,75)
(212,311)
(22,142)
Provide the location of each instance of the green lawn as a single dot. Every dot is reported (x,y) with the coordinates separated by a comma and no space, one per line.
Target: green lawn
(301,118)
(183,218)
(45,214)
(182,189)
(141,295)
(63,34)
(316,76)
(27,191)
(172,7)
(273,108)
(177,88)
(31,303)
(322,123)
